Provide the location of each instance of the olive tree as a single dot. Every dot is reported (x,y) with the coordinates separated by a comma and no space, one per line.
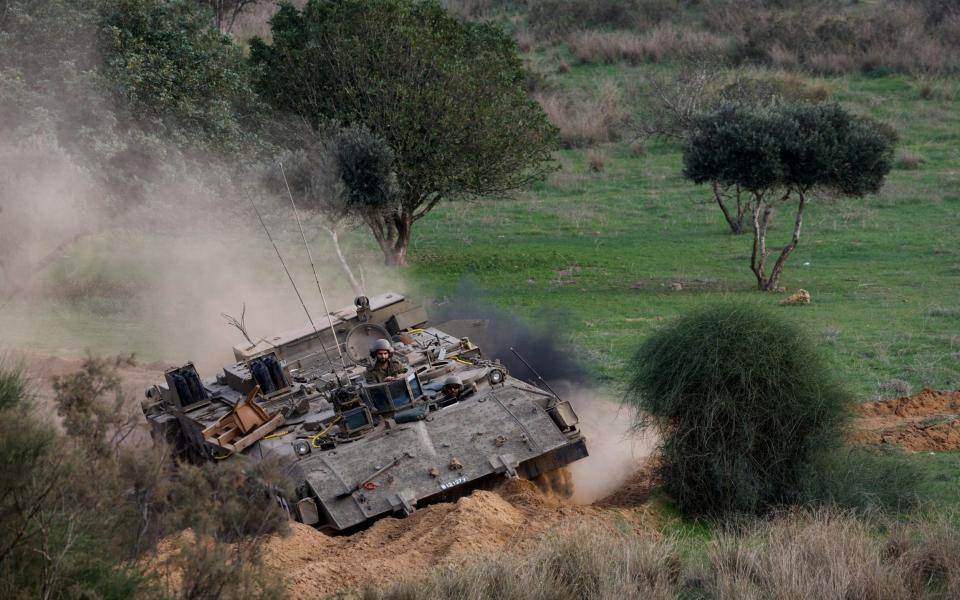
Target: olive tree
(447,96)
(781,156)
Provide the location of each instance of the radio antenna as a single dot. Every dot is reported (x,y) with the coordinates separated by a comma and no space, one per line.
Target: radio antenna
(314,267)
(277,250)
(534,371)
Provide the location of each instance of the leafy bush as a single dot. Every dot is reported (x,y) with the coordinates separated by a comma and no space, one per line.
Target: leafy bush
(741,399)
(80,509)
(178,75)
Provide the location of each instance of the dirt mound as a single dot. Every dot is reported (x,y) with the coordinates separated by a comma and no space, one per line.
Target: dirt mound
(509,519)
(939,436)
(927,403)
(927,421)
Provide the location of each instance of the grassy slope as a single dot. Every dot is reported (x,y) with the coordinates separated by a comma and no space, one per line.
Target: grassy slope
(604,249)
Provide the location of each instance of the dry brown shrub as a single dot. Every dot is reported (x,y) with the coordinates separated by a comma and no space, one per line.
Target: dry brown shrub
(831,63)
(607,47)
(586,118)
(597,160)
(927,553)
(525,40)
(818,554)
(471,9)
(783,57)
(950,30)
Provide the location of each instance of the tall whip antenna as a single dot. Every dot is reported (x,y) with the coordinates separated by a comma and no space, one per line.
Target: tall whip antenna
(290,277)
(314,267)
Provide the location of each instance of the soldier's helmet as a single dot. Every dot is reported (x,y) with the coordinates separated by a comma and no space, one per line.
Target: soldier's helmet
(453,381)
(378,345)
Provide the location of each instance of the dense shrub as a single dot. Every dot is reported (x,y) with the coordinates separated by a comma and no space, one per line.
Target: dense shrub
(557,17)
(81,508)
(741,399)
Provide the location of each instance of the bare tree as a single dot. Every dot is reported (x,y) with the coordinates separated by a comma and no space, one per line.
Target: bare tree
(225,12)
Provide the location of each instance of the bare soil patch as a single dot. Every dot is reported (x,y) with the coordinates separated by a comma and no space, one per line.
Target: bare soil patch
(510,519)
(928,421)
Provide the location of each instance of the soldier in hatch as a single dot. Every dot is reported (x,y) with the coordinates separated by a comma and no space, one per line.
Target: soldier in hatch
(384,367)
(452,388)
(454,391)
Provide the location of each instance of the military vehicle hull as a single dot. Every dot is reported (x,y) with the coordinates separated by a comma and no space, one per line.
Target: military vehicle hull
(360,450)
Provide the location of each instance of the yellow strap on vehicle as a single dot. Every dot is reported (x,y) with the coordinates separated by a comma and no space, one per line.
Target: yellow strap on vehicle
(313,438)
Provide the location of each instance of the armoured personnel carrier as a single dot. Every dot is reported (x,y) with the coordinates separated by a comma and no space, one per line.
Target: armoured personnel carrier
(357,449)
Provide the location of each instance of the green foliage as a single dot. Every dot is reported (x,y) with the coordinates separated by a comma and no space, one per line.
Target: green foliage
(231,500)
(741,399)
(57,531)
(177,75)
(79,509)
(796,147)
(861,479)
(365,163)
(446,96)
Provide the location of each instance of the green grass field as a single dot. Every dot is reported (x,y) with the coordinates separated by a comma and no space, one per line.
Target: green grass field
(606,250)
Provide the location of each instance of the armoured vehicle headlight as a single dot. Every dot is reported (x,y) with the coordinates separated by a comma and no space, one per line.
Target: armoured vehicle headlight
(301,447)
(496,376)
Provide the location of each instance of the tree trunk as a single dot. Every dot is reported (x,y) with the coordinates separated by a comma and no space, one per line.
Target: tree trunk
(344,265)
(736,225)
(774,282)
(758,258)
(397,255)
(762,212)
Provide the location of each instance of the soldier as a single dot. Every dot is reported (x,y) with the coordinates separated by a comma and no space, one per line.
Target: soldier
(452,388)
(384,367)
(454,391)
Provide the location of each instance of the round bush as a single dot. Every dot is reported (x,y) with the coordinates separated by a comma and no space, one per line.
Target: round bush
(741,399)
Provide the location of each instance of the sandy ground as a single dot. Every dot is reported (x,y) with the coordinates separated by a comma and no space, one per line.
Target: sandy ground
(509,520)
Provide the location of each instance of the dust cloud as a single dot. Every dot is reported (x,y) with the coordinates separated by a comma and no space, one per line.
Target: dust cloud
(616,450)
(81,269)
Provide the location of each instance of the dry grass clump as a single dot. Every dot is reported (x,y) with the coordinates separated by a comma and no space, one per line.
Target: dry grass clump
(826,37)
(817,554)
(927,555)
(908,160)
(800,554)
(587,117)
(553,19)
(584,563)
(596,160)
(893,36)
(609,47)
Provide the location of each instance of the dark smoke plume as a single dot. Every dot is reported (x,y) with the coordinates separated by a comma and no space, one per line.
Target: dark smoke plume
(545,350)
